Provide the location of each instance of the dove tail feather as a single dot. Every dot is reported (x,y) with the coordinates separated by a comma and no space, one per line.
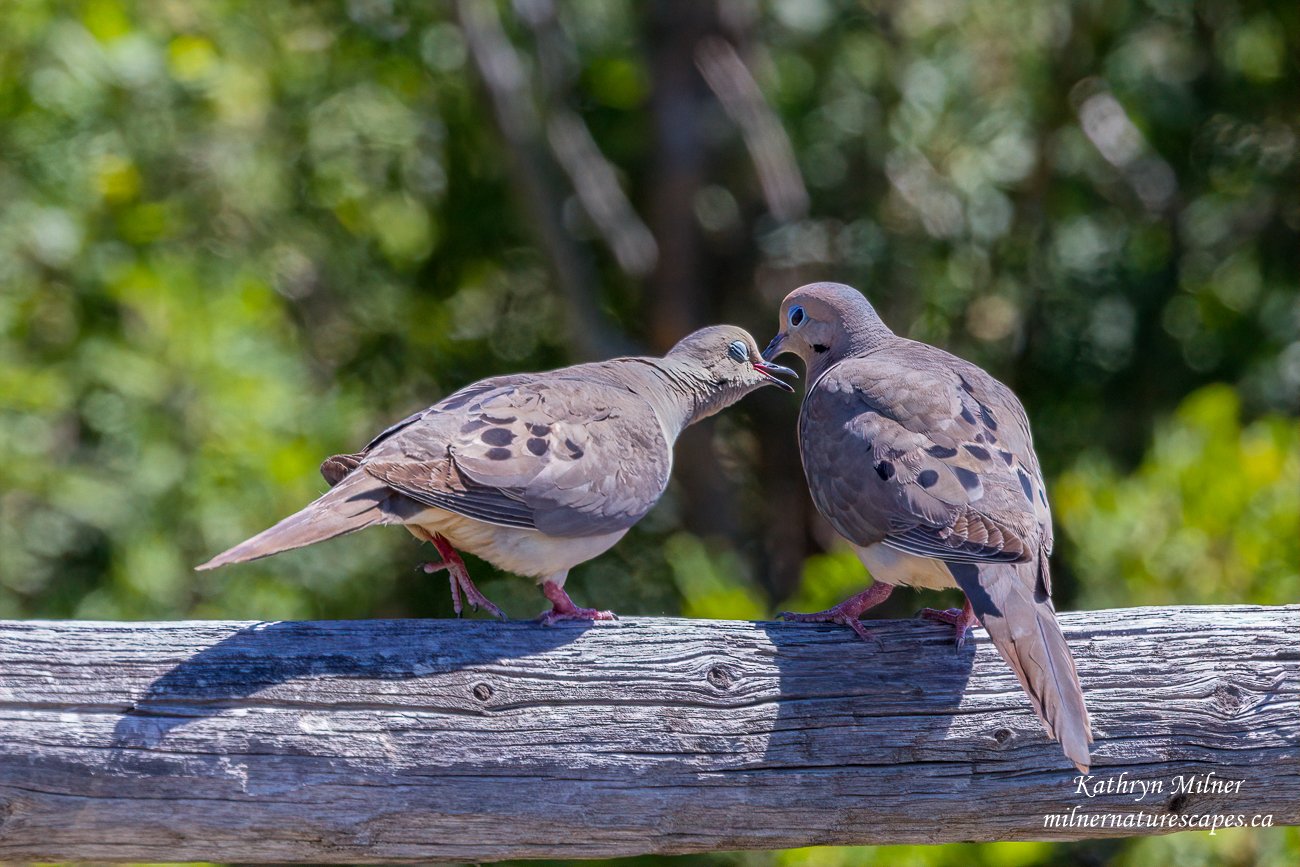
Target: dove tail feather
(1022,623)
(356,502)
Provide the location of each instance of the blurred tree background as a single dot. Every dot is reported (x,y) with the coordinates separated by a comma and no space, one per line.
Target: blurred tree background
(238,237)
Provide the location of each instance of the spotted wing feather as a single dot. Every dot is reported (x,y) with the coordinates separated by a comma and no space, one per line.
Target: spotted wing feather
(927,454)
(567,457)
(336,467)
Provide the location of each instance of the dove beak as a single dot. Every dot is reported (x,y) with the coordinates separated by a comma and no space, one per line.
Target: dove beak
(774,348)
(768,371)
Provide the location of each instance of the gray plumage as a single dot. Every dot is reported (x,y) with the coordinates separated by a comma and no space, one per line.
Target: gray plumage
(533,472)
(925,463)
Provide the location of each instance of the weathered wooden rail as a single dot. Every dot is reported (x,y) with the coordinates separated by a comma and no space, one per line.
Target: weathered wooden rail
(474,740)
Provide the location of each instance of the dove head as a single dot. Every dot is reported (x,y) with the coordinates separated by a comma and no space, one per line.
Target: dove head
(824,322)
(717,366)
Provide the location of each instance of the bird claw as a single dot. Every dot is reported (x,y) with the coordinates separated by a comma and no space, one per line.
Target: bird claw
(562,607)
(478,600)
(834,615)
(556,615)
(959,618)
(458,578)
(951,616)
(849,611)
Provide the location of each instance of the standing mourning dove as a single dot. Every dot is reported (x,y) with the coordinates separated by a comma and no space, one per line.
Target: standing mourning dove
(533,472)
(925,464)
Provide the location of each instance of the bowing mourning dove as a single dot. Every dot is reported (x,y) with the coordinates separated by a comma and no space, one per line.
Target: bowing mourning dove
(924,463)
(533,472)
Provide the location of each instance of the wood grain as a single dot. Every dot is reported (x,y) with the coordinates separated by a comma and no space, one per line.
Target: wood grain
(366,741)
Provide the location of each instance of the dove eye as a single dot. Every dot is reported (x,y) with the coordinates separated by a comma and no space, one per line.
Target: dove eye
(796,316)
(738,350)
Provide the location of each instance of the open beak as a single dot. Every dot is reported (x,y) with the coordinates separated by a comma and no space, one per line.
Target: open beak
(774,348)
(768,370)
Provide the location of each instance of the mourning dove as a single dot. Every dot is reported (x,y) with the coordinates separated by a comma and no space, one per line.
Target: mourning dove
(533,472)
(925,464)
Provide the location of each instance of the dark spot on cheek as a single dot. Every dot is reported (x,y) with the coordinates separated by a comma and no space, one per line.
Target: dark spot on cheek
(942,451)
(885,470)
(575,451)
(537,446)
(498,454)
(497,436)
(927,478)
(1025,485)
(977,452)
(819,348)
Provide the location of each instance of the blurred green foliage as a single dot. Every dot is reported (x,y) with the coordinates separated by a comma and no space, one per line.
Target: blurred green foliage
(236,238)
(1211,513)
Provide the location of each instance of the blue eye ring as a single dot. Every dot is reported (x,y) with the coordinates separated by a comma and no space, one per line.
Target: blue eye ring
(796,316)
(738,350)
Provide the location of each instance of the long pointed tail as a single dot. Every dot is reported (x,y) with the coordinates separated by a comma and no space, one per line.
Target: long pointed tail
(355,502)
(1012,604)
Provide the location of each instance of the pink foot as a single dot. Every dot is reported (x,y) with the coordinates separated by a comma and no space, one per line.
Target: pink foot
(458,575)
(960,619)
(562,607)
(849,611)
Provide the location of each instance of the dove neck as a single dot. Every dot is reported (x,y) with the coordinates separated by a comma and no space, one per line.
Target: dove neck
(856,340)
(679,394)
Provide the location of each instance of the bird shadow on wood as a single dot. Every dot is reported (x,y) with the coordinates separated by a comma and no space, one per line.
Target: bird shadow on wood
(905,713)
(842,698)
(301,664)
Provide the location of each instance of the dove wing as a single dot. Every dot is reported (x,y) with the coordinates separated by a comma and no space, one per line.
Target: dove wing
(566,456)
(931,459)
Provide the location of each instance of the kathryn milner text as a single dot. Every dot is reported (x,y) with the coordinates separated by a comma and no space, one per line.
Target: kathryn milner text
(1090,785)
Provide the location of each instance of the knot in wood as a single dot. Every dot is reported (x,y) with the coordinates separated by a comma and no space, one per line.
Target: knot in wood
(1002,735)
(1228,698)
(1178,803)
(482,691)
(719,677)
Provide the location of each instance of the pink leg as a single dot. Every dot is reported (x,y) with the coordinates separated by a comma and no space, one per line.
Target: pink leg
(562,607)
(458,575)
(848,611)
(961,620)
